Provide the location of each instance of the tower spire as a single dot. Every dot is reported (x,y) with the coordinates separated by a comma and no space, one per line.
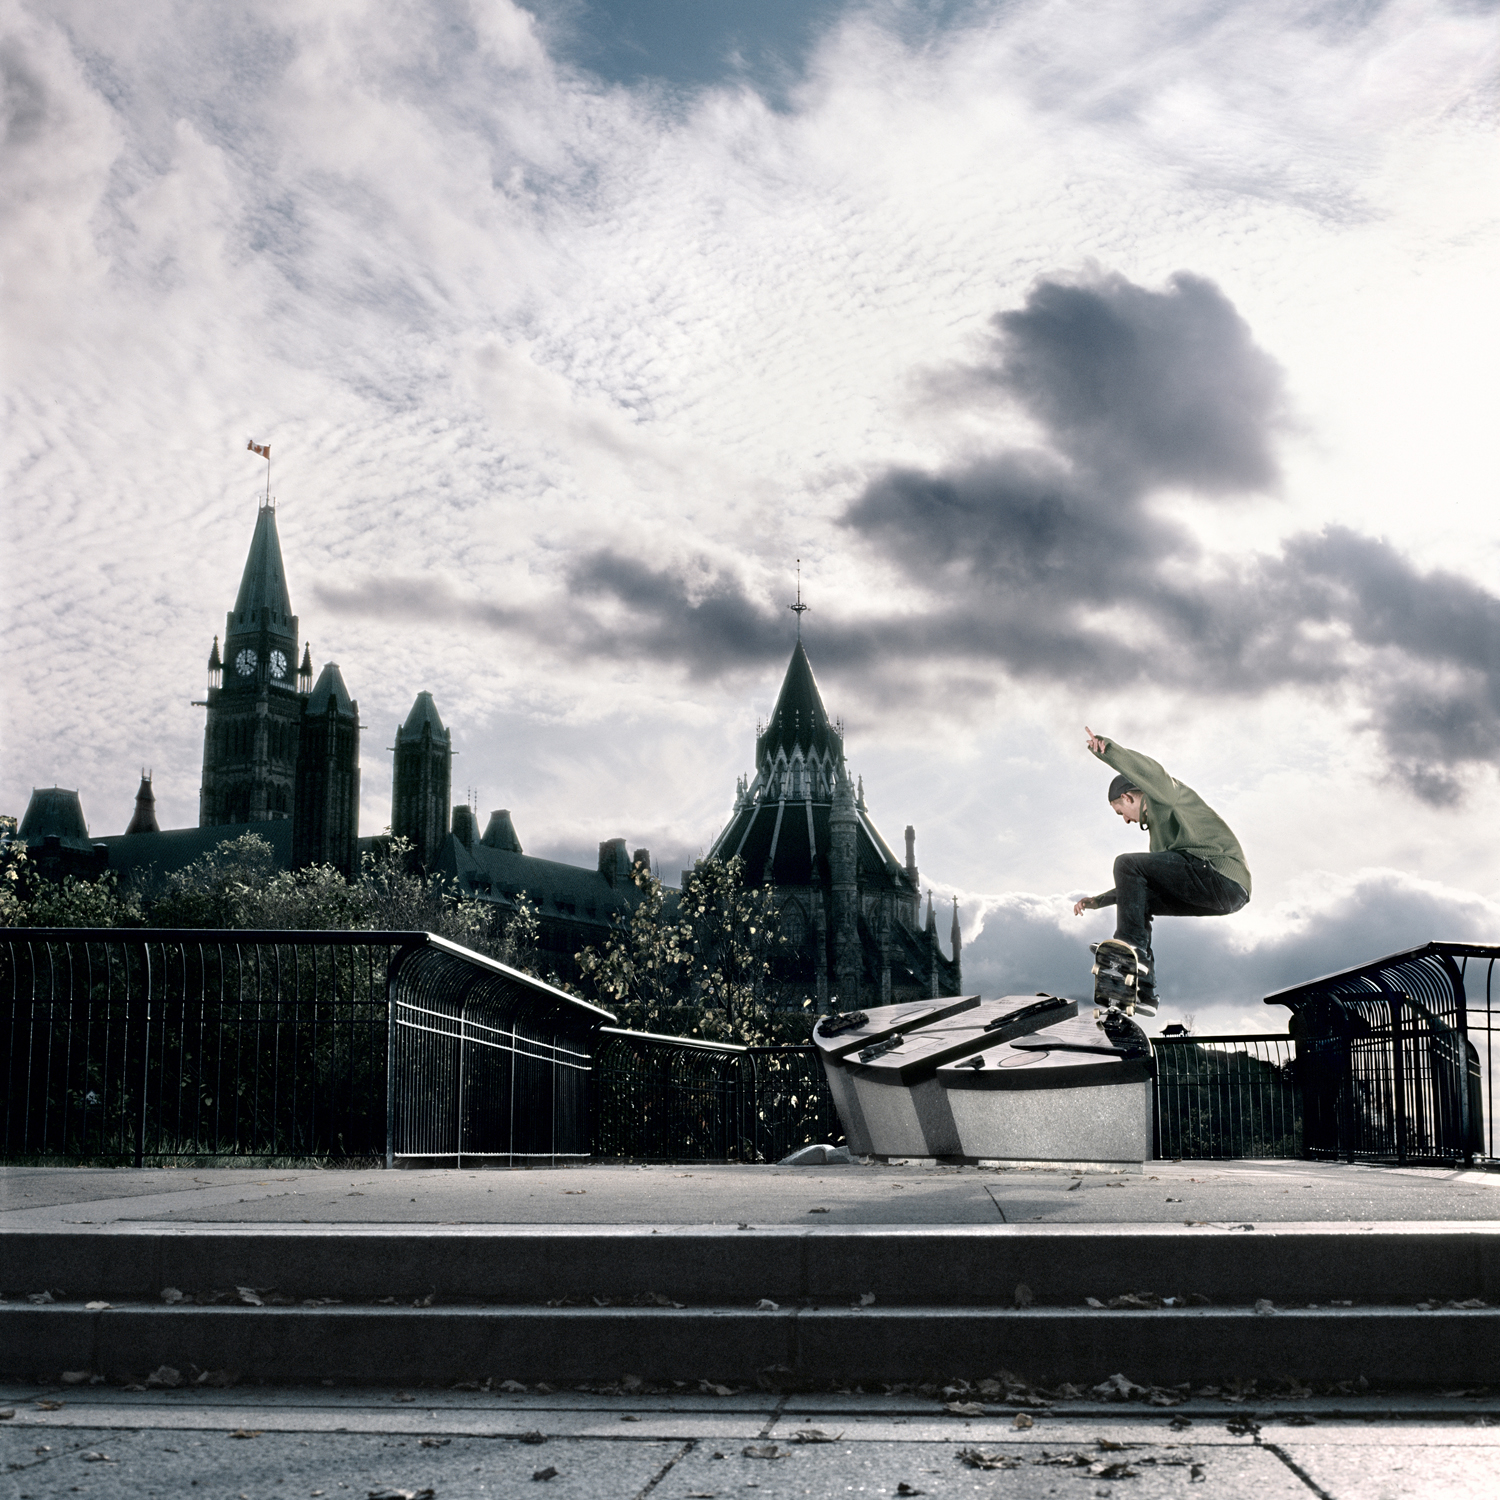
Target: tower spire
(799,608)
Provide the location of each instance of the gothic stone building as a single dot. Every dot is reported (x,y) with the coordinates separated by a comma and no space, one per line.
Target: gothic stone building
(274,748)
(850,909)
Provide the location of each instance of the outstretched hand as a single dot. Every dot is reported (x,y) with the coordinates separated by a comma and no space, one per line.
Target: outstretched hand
(1095,742)
(1083,905)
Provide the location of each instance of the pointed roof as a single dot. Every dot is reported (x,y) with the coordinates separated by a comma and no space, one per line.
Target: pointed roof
(263,585)
(55,811)
(501,832)
(144,820)
(329,688)
(423,711)
(799,717)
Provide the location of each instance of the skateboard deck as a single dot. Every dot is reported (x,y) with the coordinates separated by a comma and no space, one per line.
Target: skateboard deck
(1118,972)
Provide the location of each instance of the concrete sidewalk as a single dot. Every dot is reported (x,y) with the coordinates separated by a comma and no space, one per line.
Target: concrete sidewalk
(254,1444)
(706,1194)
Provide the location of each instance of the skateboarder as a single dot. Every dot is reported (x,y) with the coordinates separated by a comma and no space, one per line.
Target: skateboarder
(1195,868)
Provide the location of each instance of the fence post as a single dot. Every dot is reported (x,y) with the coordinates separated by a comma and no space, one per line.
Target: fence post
(391,967)
(1398,1077)
(140,1133)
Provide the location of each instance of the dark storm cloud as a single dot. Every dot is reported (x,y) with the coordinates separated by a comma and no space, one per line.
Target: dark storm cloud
(1143,388)
(1138,390)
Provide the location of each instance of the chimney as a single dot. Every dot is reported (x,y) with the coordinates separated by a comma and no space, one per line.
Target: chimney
(463,824)
(641,860)
(614,863)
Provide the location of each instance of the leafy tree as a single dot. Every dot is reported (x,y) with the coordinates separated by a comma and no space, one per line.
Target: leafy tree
(699,962)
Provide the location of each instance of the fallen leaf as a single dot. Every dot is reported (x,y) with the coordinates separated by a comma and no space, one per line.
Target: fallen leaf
(39,1298)
(427,1300)
(96,1458)
(513,1386)
(74,1377)
(1242,1427)
(403,1396)
(432,1442)
(394,1494)
(1113,1471)
(171,1295)
(710,1389)
(7,1414)
(548,1473)
(1023,1295)
(964,1408)
(905,1489)
(95,1306)
(1073,1187)
(1179,1422)
(766,1305)
(815,1435)
(533,1437)
(1264,1305)
(762,1450)
(866,1299)
(976,1458)
(1022,1422)
(1117,1388)
(1092,1302)
(249,1296)
(245,1432)
(817,1210)
(164,1375)
(1109,1445)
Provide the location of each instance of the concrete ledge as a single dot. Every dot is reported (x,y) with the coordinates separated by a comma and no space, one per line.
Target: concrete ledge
(1396,1347)
(963,1265)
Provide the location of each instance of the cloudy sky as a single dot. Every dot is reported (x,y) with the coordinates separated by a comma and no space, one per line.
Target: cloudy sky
(1130,365)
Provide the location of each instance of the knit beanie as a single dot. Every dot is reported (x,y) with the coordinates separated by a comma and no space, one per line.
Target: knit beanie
(1120,785)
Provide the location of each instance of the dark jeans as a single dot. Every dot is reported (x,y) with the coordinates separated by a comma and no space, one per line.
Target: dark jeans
(1168,884)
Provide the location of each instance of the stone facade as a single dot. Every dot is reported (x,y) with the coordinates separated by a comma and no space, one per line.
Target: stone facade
(851,911)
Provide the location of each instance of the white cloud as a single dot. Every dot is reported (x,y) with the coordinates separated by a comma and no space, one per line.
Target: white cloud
(493,314)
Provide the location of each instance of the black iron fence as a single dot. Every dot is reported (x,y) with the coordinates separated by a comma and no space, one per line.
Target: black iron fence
(1227,1096)
(134,1046)
(665,1098)
(1386,1066)
(487,1063)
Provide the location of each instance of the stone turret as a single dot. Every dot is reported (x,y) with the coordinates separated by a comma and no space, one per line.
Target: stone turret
(420,781)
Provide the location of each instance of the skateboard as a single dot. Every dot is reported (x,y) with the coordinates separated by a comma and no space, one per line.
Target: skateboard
(1118,976)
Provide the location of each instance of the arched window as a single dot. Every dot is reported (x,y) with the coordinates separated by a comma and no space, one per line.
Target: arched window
(793,924)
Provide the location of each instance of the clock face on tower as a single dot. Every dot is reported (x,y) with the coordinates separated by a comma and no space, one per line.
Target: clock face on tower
(278,664)
(244,663)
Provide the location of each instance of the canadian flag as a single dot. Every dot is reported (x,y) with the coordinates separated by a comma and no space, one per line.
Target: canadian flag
(264,449)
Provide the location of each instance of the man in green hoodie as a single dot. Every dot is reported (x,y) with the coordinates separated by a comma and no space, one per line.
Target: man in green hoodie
(1195,866)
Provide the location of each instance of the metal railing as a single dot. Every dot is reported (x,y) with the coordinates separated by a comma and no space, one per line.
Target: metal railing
(130,1046)
(665,1098)
(1227,1096)
(1385,1063)
(139,1045)
(487,1063)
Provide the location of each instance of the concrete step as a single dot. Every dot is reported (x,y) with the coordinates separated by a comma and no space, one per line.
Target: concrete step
(905,1265)
(1387,1347)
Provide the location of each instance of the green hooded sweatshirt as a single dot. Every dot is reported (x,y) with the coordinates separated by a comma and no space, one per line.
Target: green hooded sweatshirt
(1177,818)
